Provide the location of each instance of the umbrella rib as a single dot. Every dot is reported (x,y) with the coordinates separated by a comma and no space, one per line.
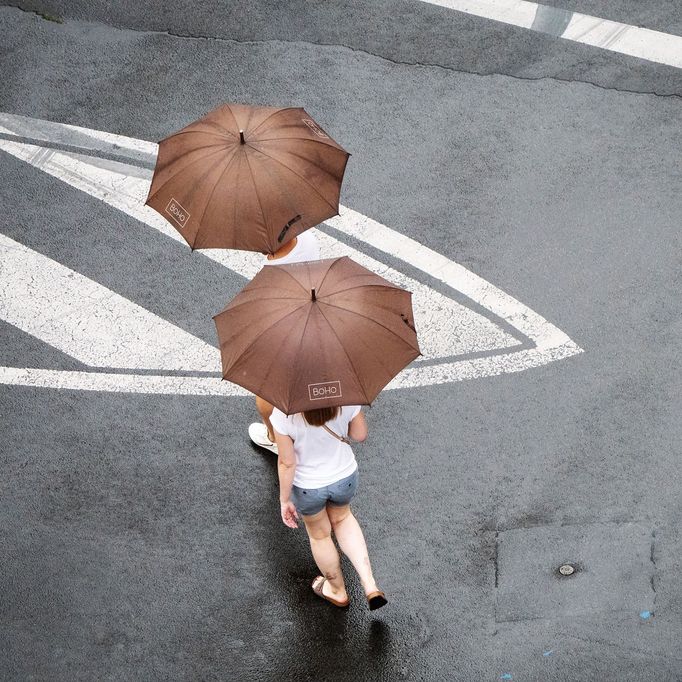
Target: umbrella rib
(255,189)
(390,287)
(184,131)
(274,113)
(335,146)
(378,357)
(210,197)
(184,168)
(234,118)
(267,329)
(259,299)
(299,177)
(345,353)
(366,317)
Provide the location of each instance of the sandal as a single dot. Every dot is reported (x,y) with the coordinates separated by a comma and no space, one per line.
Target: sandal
(376,600)
(317,586)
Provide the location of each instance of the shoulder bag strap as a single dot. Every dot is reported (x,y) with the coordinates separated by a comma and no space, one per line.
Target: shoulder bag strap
(347,441)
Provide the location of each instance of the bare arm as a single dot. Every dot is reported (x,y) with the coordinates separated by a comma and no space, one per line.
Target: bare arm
(357,429)
(286,467)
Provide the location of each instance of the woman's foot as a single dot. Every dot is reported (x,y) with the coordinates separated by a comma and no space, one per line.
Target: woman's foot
(376,599)
(323,588)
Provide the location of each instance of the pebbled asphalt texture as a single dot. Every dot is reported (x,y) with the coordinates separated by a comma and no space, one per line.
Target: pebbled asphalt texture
(140,535)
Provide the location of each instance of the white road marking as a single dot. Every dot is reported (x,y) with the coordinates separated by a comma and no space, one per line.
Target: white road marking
(446,327)
(644,43)
(89,322)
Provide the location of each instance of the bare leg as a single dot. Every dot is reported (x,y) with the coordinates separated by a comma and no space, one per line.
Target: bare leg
(265,410)
(352,542)
(326,555)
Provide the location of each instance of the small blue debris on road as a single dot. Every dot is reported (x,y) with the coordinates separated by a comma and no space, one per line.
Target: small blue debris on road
(644,615)
(506,676)
(548,653)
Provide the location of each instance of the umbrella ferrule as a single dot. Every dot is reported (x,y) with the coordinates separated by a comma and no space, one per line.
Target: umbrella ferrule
(314,298)
(241,137)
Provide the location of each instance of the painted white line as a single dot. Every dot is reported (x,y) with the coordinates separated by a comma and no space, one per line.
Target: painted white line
(89,322)
(446,327)
(118,383)
(457,277)
(654,46)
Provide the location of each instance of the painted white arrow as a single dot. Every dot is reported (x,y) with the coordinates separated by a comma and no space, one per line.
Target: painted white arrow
(104,330)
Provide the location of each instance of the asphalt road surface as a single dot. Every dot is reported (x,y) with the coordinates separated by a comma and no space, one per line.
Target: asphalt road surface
(539,178)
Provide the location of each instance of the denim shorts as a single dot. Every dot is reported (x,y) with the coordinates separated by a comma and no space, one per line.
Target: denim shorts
(310,501)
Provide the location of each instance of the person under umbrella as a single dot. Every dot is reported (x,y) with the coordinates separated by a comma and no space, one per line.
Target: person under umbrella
(247,177)
(318,340)
(252,178)
(302,248)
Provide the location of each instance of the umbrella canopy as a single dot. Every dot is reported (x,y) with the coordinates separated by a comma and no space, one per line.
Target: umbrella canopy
(245,177)
(317,334)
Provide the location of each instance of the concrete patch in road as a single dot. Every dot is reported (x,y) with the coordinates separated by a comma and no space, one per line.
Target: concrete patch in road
(614,571)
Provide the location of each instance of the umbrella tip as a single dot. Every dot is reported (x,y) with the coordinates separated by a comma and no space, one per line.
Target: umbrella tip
(241,137)
(314,298)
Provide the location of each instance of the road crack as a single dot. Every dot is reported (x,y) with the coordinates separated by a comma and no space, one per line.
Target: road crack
(425,65)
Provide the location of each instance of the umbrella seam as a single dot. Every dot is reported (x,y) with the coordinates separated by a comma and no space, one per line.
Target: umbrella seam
(274,113)
(185,131)
(378,359)
(234,118)
(282,268)
(306,160)
(308,184)
(210,197)
(335,146)
(331,265)
(371,319)
(255,189)
(184,168)
(251,301)
(390,287)
(250,345)
(345,352)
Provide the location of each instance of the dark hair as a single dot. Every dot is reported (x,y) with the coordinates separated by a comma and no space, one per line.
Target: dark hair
(320,416)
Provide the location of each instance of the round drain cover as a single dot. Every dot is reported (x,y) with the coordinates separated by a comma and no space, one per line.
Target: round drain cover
(566,569)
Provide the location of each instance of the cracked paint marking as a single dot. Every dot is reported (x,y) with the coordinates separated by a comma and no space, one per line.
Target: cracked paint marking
(635,41)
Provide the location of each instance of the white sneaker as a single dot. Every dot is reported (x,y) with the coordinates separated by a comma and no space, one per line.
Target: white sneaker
(258,433)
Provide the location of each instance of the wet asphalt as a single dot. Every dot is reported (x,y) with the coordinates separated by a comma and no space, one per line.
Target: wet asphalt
(140,535)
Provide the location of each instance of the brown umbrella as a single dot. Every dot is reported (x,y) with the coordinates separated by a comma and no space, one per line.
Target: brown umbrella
(245,177)
(317,334)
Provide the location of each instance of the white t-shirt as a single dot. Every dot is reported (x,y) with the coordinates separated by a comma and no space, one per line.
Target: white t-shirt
(306,248)
(321,459)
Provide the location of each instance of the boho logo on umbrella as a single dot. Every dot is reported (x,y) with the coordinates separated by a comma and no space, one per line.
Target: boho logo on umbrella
(316,334)
(177,212)
(326,389)
(246,177)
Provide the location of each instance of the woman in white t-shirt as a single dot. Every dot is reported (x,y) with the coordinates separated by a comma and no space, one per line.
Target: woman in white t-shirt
(301,248)
(318,477)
